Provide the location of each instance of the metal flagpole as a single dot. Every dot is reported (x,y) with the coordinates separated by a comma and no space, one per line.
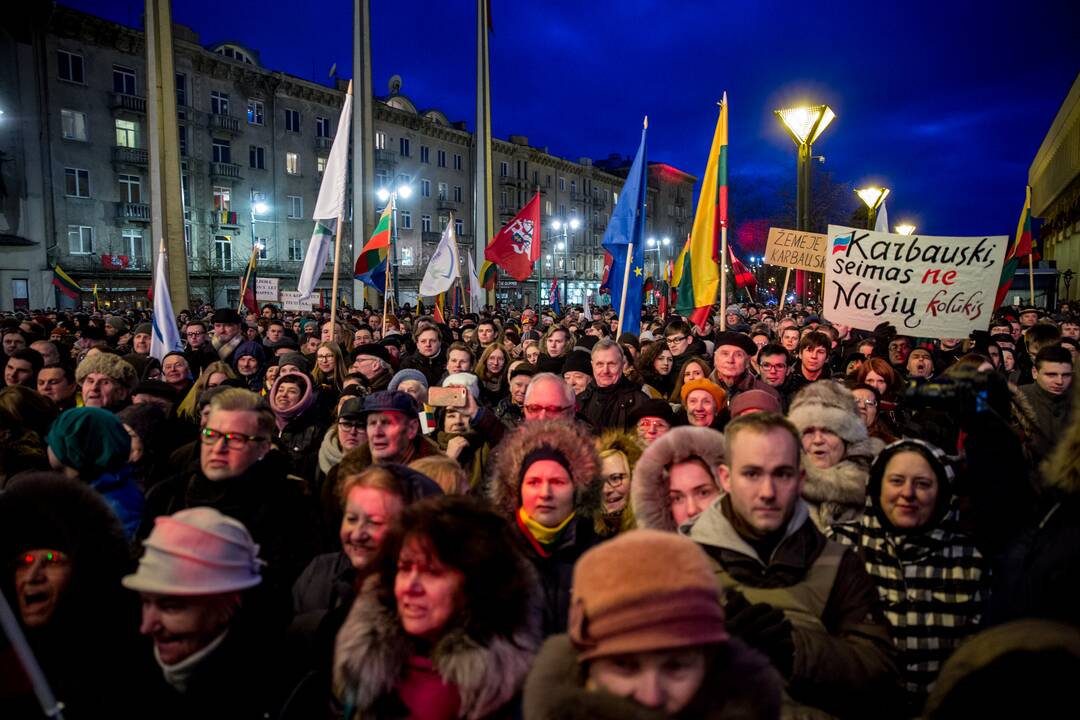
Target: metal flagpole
(337,260)
(625,283)
(723,277)
(389,257)
(783,295)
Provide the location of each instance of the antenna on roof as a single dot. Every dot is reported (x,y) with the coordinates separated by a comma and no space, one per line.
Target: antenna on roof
(333,70)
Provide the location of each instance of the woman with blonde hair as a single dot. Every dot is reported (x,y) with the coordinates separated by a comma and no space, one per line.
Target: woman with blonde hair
(330,370)
(491,371)
(445,471)
(619,453)
(211,377)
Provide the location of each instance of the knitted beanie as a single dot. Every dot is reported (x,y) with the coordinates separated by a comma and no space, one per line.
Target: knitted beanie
(408,374)
(90,440)
(643,591)
(708,386)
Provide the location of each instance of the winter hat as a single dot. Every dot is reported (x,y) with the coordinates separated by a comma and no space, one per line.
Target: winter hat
(738,339)
(577,361)
(90,440)
(653,407)
(294,358)
(710,387)
(117,324)
(144,329)
(756,401)
(156,388)
(408,374)
(467,379)
(829,405)
(142,419)
(111,366)
(644,590)
(197,551)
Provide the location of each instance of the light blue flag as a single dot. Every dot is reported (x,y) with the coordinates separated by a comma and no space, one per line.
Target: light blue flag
(627,229)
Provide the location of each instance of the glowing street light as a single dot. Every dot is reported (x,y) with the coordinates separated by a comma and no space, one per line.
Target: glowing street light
(873,197)
(905,229)
(260,208)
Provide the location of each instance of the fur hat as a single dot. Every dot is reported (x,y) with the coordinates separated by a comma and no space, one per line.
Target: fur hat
(111,366)
(504,470)
(642,591)
(829,405)
(649,487)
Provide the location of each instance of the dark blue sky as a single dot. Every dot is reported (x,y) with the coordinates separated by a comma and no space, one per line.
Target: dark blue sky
(944,102)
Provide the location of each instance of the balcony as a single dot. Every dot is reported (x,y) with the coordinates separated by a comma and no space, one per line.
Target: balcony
(224,219)
(385,158)
(134,212)
(130,156)
(577,196)
(446,205)
(507,181)
(128,103)
(223,123)
(223,170)
(430,237)
(323,143)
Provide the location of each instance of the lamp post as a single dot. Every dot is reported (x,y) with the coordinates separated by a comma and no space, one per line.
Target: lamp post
(905,229)
(565,227)
(873,196)
(403,191)
(805,124)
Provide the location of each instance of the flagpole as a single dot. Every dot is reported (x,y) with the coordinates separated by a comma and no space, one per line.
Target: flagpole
(1031,276)
(247,275)
(457,254)
(783,295)
(389,258)
(723,277)
(625,283)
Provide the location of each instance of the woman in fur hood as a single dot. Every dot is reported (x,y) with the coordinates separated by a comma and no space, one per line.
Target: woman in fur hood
(447,626)
(542,479)
(837,452)
(676,477)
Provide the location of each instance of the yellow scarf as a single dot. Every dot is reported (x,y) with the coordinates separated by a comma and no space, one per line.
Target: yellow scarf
(543,535)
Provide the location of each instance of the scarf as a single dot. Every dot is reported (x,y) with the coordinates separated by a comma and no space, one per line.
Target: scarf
(283,417)
(225,349)
(179,675)
(542,538)
(330,452)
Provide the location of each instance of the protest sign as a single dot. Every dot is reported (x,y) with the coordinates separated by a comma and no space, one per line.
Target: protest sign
(796,249)
(933,287)
(266,289)
(292,301)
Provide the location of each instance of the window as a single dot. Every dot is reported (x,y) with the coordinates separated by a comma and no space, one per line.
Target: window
(222,151)
(80,239)
(255,112)
(132,242)
(503,199)
(222,198)
(403,147)
(123,80)
(425,154)
(459,227)
(264,244)
(406,219)
(547,207)
(73,125)
(296,249)
(504,169)
(130,188)
(181,90)
(126,133)
(425,188)
(322,127)
(76,182)
(547,181)
(380,141)
(185,190)
(406,256)
(296,207)
(292,163)
(457,161)
(441,157)
(457,193)
(257,156)
(562,210)
(573,186)
(320,164)
(425,223)
(71,66)
(562,184)
(443,222)
(536,177)
(219,103)
(444,191)
(292,121)
(182,132)
(223,252)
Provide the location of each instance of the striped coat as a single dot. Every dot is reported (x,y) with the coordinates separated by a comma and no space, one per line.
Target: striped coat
(931,584)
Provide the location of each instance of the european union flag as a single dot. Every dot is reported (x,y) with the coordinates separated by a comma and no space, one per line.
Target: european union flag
(626,232)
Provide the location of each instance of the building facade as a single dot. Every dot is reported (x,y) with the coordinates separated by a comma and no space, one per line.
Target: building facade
(253,145)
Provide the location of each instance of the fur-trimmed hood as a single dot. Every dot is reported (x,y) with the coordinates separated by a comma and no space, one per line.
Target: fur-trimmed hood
(1061,471)
(649,487)
(571,439)
(836,494)
(372,650)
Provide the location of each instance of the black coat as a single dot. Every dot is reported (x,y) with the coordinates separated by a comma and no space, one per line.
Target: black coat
(433,368)
(557,570)
(301,437)
(610,407)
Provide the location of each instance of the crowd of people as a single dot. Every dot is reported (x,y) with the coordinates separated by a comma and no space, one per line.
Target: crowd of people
(515,513)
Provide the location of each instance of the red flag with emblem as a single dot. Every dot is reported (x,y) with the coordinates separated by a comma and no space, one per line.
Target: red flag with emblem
(517,245)
(743,277)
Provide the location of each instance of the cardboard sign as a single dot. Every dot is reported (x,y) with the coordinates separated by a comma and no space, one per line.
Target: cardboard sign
(932,287)
(266,289)
(796,249)
(291,301)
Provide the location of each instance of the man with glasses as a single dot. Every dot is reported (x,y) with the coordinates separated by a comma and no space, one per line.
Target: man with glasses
(772,364)
(198,351)
(679,337)
(241,475)
(549,396)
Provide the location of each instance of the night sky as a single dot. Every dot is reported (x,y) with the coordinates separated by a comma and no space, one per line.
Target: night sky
(944,102)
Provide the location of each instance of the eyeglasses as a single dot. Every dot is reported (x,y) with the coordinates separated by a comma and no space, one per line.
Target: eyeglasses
(674,340)
(774,366)
(350,426)
(547,409)
(233,441)
(195,333)
(869,402)
(616,479)
(652,424)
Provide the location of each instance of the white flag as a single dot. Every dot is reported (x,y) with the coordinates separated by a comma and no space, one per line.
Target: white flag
(331,203)
(477,294)
(882,222)
(587,312)
(166,337)
(443,267)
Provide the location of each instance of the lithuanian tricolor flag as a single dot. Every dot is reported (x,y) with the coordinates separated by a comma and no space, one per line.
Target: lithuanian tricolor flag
(63,282)
(697,271)
(1020,248)
(371,264)
(488,273)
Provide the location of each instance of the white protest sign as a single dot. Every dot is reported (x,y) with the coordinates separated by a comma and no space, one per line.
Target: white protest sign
(796,249)
(292,301)
(933,287)
(266,289)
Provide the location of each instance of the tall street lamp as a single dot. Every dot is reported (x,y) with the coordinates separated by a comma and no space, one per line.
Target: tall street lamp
(805,124)
(905,229)
(403,191)
(565,227)
(873,197)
